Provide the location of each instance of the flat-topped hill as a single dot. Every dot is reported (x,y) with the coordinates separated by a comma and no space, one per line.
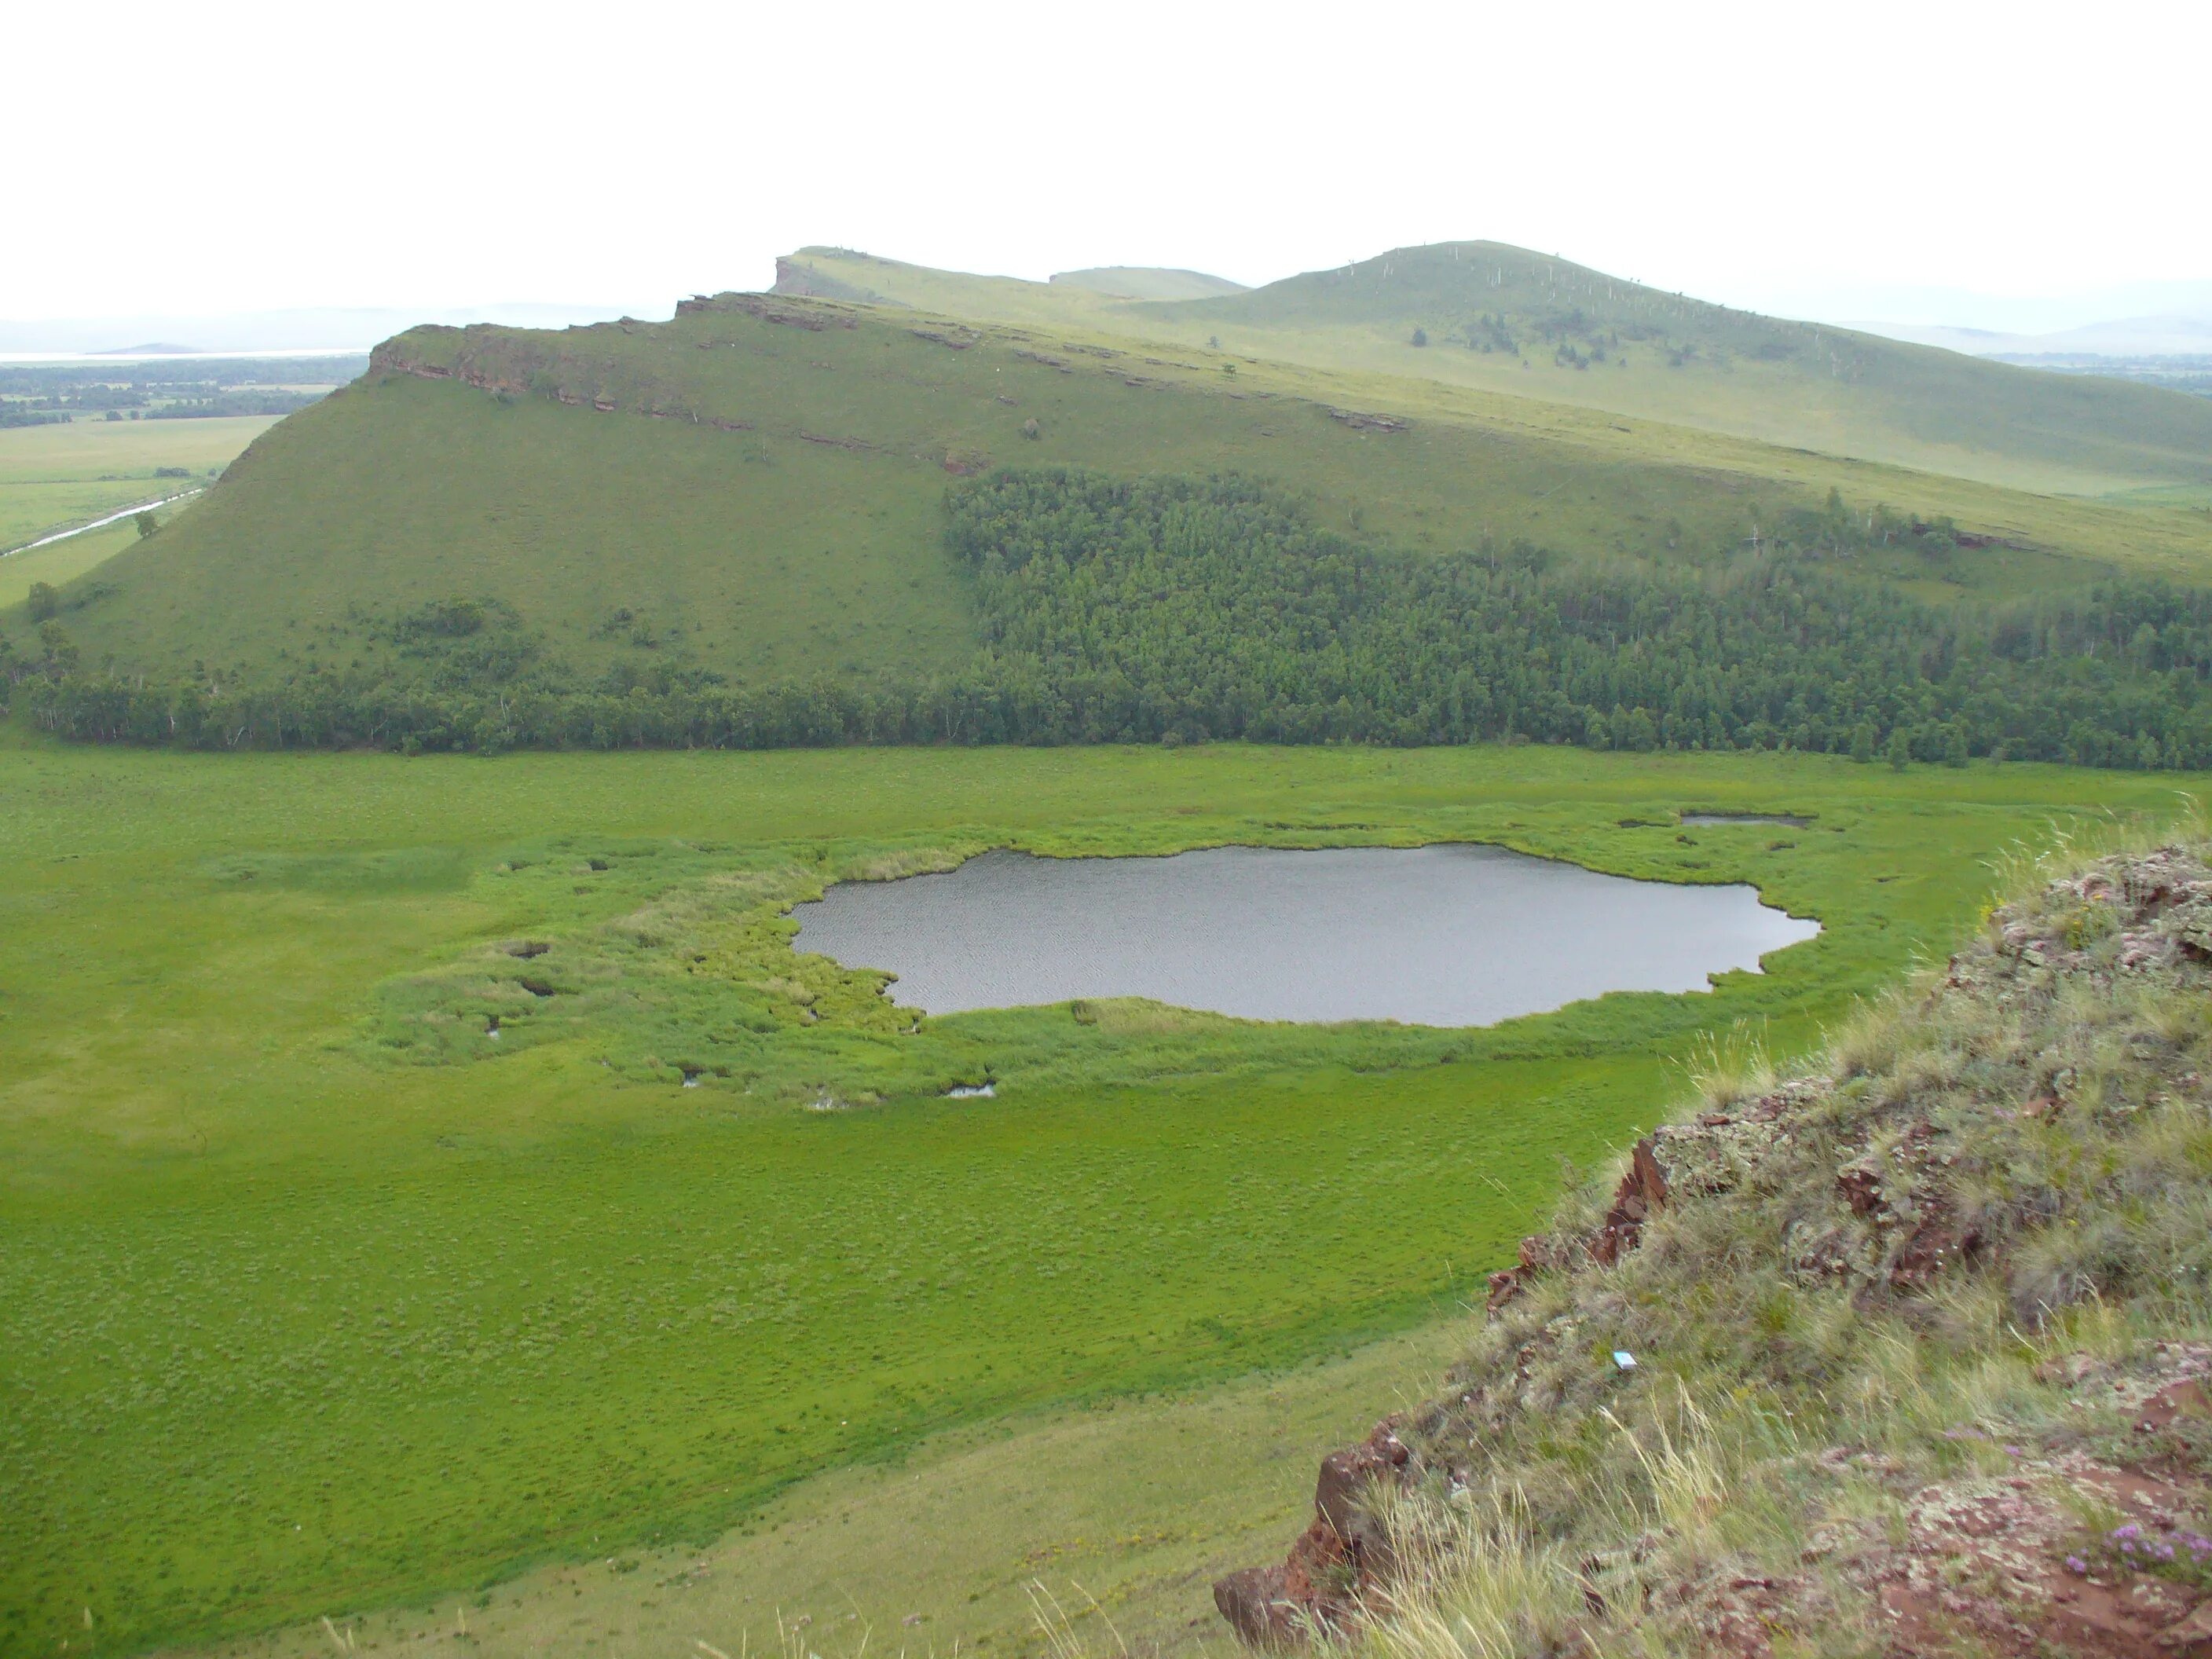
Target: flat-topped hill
(754,489)
(1149,282)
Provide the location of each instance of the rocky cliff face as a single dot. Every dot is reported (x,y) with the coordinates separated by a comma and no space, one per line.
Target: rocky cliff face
(490,359)
(1918,1348)
(796,276)
(517,364)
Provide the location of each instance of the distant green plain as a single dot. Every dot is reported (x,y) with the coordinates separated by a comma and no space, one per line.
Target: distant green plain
(54,476)
(62,560)
(301,1319)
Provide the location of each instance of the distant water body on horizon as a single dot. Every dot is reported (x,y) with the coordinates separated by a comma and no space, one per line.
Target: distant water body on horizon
(1447,935)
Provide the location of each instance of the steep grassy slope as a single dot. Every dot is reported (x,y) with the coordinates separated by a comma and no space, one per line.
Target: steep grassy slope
(1506,319)
(758,555)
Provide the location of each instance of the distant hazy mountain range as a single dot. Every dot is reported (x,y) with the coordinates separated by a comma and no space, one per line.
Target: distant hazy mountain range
(2153,319)
(319,328)
(2129,337)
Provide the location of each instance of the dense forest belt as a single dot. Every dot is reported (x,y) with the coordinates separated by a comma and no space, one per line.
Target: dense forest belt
(1175,609)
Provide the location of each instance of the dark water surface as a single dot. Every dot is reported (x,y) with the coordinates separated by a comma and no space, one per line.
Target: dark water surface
(1448,935)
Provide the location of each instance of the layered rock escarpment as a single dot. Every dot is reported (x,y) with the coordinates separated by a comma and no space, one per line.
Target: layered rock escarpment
(563,367)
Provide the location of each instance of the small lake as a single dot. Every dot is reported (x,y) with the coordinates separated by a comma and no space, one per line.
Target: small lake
(1446,935)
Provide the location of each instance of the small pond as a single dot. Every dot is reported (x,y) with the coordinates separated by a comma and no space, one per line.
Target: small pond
(1446,935)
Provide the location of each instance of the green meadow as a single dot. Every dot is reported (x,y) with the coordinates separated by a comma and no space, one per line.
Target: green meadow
(1122,1508)
(53,477)
(319,1299)
(64,560)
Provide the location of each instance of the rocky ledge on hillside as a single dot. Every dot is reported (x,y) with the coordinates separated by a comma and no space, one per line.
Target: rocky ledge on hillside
(565,367)
(1952,1286)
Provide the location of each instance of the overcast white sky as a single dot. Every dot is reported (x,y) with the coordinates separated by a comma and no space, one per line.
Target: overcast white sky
(216,157)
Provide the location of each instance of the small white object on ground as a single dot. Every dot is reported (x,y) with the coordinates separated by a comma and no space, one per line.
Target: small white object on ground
(1623,1360)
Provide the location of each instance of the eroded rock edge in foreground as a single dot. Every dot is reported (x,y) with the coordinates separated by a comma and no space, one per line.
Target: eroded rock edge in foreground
(1893,1191)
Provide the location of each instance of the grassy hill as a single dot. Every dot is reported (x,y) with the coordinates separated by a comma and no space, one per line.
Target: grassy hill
(753,493)
(627,537)
(756,488)
(1535,326)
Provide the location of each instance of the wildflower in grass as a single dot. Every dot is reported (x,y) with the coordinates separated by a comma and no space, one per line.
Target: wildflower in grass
(2077,1566)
